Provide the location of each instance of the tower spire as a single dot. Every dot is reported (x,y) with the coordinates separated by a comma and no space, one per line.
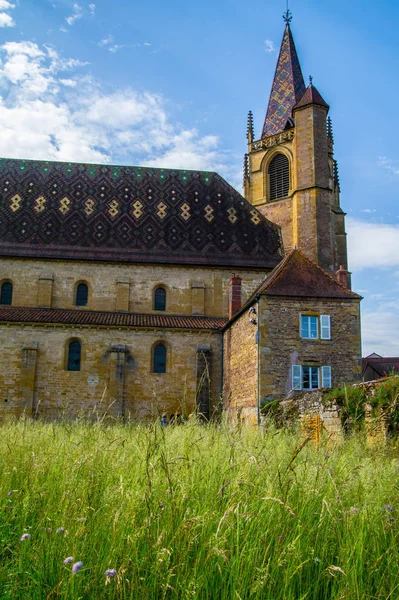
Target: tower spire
(288,84)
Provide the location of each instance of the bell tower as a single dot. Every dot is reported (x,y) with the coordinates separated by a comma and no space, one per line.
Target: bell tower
(290,173)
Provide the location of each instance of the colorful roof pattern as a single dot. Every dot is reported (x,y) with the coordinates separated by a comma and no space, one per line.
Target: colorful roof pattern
(15,314)
(297,276)
(287,89)
(311,96)
(119,213)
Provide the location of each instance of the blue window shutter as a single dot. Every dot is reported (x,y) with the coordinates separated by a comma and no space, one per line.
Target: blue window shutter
(325,327)
(296,377)
(326,377)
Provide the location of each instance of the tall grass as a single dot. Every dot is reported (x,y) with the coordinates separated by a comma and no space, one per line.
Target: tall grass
(194,511)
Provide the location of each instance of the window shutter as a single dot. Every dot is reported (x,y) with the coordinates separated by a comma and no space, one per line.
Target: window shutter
(325,327)
(326,377)
(296,377)
(279,177)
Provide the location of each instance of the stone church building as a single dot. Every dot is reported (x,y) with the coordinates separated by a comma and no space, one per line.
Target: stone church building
(141,292)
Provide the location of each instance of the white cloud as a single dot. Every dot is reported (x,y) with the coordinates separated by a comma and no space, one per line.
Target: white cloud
(116,47)
(77,14)
(369,210)
(106,41)
(44,116)
(5,5)
(389,164)
(6,20)
(372,245)
(92,9)
(380,331)
(269,46)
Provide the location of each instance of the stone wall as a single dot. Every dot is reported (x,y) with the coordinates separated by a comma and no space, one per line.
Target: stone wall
(33,375)
(281,345)
(240,371)
(123,287)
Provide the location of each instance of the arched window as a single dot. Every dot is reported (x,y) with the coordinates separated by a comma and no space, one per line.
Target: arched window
(6,293)
(159,359)
(82,295)
(160,299)
(74,355)
(279,177)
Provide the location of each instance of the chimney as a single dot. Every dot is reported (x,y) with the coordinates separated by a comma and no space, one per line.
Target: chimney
(234,295)
(343,277)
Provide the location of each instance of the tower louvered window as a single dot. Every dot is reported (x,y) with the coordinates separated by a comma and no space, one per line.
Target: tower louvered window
(279,177)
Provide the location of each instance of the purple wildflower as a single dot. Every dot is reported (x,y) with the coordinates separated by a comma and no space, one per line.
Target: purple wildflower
(25,536)
(77,566)
(110,572)
(389,508)
(68,560)
(60,530)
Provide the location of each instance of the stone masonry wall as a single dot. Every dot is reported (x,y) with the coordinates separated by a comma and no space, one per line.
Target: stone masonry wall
(130,286)
(94,389)
(240,370)
(281,345)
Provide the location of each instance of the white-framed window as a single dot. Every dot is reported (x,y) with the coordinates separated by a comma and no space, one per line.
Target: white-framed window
(314,326)
(310,377)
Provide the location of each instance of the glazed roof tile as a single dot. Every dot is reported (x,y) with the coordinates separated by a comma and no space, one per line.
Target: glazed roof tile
(130,214)
(15,314)
(287,88)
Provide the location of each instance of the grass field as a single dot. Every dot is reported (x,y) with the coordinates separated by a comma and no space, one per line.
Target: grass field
(192,512)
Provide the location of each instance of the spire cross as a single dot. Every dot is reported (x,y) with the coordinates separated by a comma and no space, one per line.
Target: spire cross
(310,80)
(287,16)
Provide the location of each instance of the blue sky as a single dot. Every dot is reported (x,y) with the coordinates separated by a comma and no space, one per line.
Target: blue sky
(170,84)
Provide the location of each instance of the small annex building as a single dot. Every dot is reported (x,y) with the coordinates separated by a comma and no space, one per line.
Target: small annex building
(137,292)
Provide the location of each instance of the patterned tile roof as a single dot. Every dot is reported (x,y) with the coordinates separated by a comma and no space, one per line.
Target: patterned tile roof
(15,314)
(297,276)
(103,212)
(287,89)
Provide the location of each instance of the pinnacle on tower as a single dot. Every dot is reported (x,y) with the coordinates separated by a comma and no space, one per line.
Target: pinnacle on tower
(288,85)
(330,133)
(336,175)
(250,127)
(246,170)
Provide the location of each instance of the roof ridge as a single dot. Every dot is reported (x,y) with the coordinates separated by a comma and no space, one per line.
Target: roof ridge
(110,165)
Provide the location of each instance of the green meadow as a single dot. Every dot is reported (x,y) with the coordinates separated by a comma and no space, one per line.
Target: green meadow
(194,511)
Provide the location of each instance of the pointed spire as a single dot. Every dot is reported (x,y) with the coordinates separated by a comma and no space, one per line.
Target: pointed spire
(311,96)
(250,127)
(288,84)
(330,134)
(336,175)
(246,170)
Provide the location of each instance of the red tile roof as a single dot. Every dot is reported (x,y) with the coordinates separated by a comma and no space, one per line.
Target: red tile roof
(297,276)
(311,96)
(14,314)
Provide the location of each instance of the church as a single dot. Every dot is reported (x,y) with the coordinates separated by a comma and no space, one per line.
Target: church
(138,292)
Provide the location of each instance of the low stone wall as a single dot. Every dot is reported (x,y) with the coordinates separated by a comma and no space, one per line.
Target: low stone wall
(317,415)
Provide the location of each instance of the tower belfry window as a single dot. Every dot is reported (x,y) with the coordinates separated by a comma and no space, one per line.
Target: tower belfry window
(279,177)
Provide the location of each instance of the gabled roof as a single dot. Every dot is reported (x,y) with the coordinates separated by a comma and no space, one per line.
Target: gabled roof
(287,88)
(381,365)
(131,214)
(311,96)
(298,276)
(15,314)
